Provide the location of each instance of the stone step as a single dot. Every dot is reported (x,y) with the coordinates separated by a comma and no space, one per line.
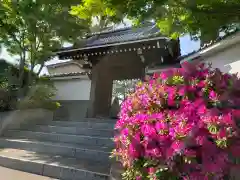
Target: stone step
(75,131)
(62,149)
(88,124)
(99,120)
(53,166)
(45,137)
(65,138)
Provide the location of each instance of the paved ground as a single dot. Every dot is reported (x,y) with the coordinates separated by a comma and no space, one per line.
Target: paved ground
(9,174)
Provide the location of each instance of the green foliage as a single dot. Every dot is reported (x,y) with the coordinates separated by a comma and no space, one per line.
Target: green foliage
(40,96)
(97,13)
(7,99)
(91,8)
(176,17)
(8,89)
(4,95)
(130,174)
(5,104)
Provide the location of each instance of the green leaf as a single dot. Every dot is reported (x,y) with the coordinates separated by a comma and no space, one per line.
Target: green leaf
(213,129)
(222,143)
(175,35)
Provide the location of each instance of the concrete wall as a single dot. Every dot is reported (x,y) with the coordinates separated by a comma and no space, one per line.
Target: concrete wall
(72,89)
(71,110)
(227,60)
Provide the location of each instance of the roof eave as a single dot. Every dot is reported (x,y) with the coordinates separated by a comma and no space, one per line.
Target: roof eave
(69,77)
(113,44)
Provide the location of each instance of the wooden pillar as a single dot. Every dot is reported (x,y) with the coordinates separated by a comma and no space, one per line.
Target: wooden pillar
(143,63)
(101,92)
(104,95)
(94,81)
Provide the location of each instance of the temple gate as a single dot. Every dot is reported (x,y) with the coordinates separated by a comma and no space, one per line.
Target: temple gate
(119,55)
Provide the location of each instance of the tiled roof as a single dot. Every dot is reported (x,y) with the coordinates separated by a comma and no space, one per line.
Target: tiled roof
(119,36)
(211,43)
(68,74)
(129,34)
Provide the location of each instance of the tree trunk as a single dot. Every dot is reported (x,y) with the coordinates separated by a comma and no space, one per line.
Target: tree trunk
(21,77)
(21,72)
(30,74)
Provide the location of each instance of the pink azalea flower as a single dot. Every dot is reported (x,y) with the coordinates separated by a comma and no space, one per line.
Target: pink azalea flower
(222,133)
(202,109)
(133,152)
(151,170)
(171,101)
(138,178)
(236,113)
(163,75)
(148,130)
(153,153)
(161,126)
(213,95)
(156,75)
(182,91)
(178,146)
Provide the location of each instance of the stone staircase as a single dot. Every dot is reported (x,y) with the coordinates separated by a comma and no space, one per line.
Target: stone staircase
(66,150)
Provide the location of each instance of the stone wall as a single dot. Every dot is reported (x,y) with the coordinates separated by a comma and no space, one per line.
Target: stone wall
(22,118)
(71,110)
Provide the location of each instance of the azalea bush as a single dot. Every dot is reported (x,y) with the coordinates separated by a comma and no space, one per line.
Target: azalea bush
(181,124)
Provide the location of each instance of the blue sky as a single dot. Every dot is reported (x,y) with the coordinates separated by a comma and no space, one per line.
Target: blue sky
(186,45)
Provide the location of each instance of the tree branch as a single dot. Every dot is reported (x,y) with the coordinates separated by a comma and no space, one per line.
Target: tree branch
(37,44)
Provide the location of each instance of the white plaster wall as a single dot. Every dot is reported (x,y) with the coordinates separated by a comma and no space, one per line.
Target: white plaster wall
(72,89)
(227,60)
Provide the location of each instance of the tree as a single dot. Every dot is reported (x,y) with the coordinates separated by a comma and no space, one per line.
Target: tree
(201,18)
(32,29)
